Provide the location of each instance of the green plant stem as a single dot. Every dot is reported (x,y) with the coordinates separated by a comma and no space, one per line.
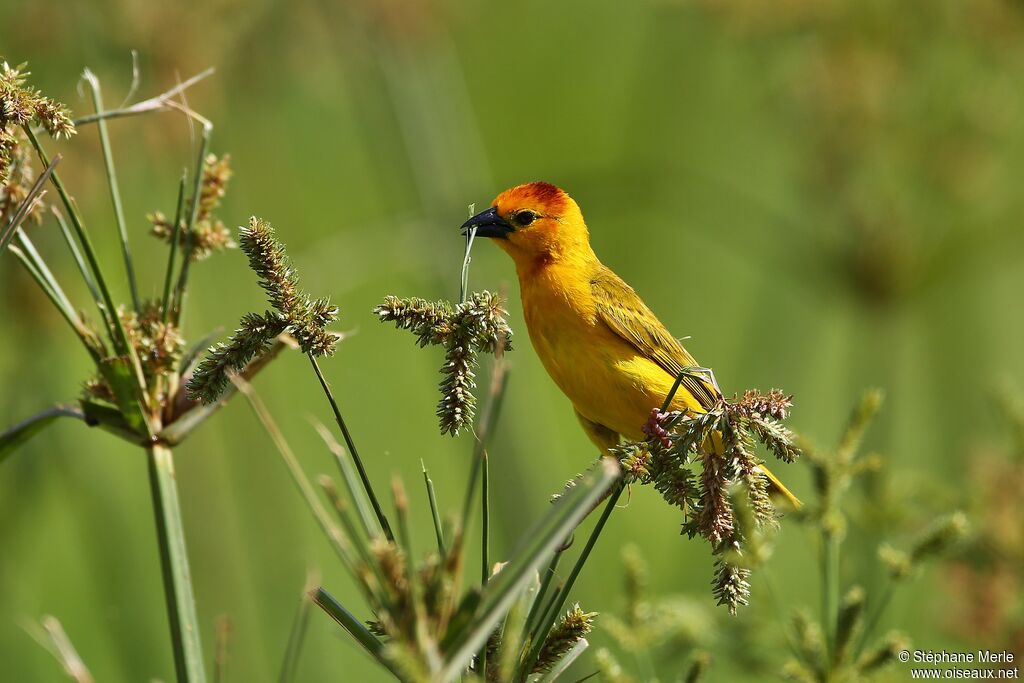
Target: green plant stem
(367,486)
(34,192)
(546,621)
(435,515)
(489,417)
(352,625)
(537,608)
(830,586)
(874,617)
(222,629)
(339,542)
(371,527)
(193,214)
(118,336)
(464,281)
(159,103)
(297,637)
(76,253)
(40,264)
(57,299)
(115,190)
(485,509)
(181,606)
(173,250)
(485,528)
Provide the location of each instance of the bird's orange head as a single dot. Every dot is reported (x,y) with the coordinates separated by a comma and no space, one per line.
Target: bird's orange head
(535,223)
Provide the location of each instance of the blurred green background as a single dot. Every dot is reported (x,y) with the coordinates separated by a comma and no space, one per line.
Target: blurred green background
(824,195)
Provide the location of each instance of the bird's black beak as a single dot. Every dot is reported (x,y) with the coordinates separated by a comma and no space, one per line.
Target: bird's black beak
(488,224)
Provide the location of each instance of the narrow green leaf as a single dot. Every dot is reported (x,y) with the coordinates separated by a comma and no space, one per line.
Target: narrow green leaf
(119,337)
(23,209)
(298,634)
(25,430)
(76,253)
(58,300)
(52,636)
(107,416)
(173,249)
(193,214)
(348,621)
(115,191)
(118,374)
(434,514)
(371,526)
(534,551)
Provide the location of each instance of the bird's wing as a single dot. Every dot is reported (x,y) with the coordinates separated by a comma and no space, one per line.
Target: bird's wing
(619,307)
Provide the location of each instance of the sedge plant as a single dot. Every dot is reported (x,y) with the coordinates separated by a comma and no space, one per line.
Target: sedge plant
(141,357)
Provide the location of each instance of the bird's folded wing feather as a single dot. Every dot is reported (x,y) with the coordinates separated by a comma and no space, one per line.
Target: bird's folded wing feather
(619,307)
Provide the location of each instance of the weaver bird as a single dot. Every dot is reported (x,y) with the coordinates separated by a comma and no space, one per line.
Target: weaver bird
(600,343)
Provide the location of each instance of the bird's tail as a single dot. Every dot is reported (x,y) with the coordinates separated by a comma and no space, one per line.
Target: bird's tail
(778,488)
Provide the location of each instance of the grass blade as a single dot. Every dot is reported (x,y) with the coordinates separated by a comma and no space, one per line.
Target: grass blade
(489,417)
(339,542)
(118,335)
(14,437)
(56,641)
(181,604)
(58,299)
(193,214)
(537,608)
(23,209)
(115,190)
(77,254)
(369,642)
(298,634)
(558,601)
(485,532)
(363,477)
(438,531)
(173,250)
(536,548)
(40,264)
(371,526)
(222,654)
(118,374)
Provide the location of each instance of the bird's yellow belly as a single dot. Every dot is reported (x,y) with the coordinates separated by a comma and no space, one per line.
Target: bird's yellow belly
(604,377)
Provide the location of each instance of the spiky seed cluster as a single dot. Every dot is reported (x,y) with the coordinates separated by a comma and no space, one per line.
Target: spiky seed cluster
(730,585)
(20,106)
(296,313)
(722,442)
(251,340)
(307,317)
(475,326)
(944,532)
(773,404)
(209,234)
(158,345)
(570,630)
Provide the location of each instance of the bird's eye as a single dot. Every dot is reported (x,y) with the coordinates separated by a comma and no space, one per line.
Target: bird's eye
(524,218)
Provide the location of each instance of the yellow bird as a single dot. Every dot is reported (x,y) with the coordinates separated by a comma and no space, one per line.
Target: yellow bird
(600,343)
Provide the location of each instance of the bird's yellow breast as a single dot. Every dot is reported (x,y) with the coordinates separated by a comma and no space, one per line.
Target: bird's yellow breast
(606,379)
